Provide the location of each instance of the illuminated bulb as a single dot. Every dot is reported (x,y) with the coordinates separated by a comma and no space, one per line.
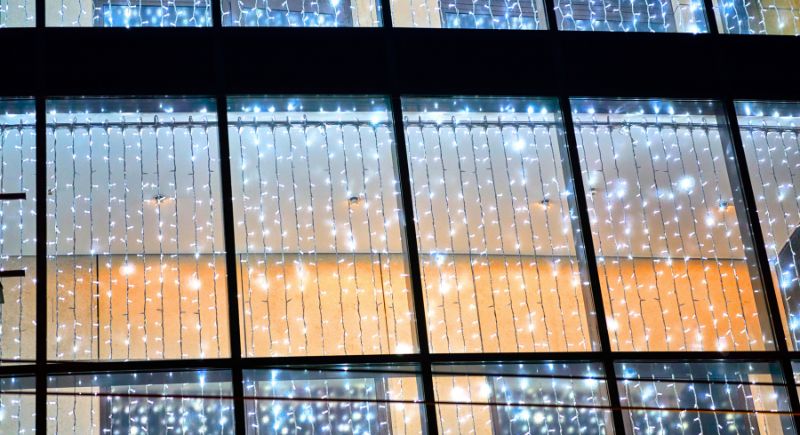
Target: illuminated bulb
(519,145)
(127,269)
(686,183)
(195,284)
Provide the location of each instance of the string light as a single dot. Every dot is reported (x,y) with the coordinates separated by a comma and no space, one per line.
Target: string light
(632,16)
(772,150)
(131,273)
(324,13)
(485,14)
(775,18)
(112,13)
(668,255)
(17,13)
(325,272)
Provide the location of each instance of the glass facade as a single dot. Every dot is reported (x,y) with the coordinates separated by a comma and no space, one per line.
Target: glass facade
(301,13)
(758,18)
(698,397)
(769,135)
(140,402)
(477,14)
(118,13)
(320,253)
(667,229)
(357,264)
(337,399)
(684,16)
(551,397)
(17,231)
(494,227)
(18,13)
(135,242)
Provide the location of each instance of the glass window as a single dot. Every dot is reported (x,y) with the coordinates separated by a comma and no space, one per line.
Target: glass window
(301,13)
(135,243)
(683,16)
(769,135)
(775,17)
(494,226)
(704,397)
(518,398)
(18,13)
(667,225)
(334,399)
(125,13)
(319,241)
(17,405)
(17,231)
(475,14)
(140,403)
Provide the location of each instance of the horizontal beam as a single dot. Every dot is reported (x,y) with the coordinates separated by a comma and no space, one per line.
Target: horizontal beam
(101,61)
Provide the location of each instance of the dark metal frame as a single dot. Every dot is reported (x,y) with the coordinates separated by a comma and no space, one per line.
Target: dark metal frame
(221,61)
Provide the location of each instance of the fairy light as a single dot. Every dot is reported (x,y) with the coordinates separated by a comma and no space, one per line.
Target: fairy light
(323,264)
(631,16)
(517,390)
(119,261)
(762,18)
(770,139)
(130,14)
(485,14)
(498,270)
(666,230)
(325,13)
(17,13)
(698,387)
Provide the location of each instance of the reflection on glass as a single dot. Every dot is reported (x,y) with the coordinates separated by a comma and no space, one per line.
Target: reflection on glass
(316,206)
(476,14)
(301,13)
(18,13)
(769,135)
(125,13)
(666,224)
(140,403)
(135,241)
(506,398)
(17,231)
(17,405)
(704,397)
(341,399)
(494,227)
(776,17)
(662,16)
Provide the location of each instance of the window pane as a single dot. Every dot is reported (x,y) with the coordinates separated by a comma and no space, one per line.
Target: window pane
(705,397)
(18,13)
(322,267)
(17,231)
(683,16)
(769,135)
(781,17)
(136,403)
(667,227)
(515,398)
(125,13)
(135,239)
(17,405)
(476,14)
(341,399)
(301,13)
(494,227)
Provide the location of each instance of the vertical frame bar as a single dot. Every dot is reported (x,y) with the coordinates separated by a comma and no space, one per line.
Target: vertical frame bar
(230,264)
(738,162)
(415,274)
(583,238)
(41,264)
(711,17)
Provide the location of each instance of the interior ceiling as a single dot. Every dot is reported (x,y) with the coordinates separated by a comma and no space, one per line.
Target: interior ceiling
(297,187)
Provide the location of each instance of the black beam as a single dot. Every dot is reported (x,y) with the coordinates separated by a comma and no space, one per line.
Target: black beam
(425,61)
